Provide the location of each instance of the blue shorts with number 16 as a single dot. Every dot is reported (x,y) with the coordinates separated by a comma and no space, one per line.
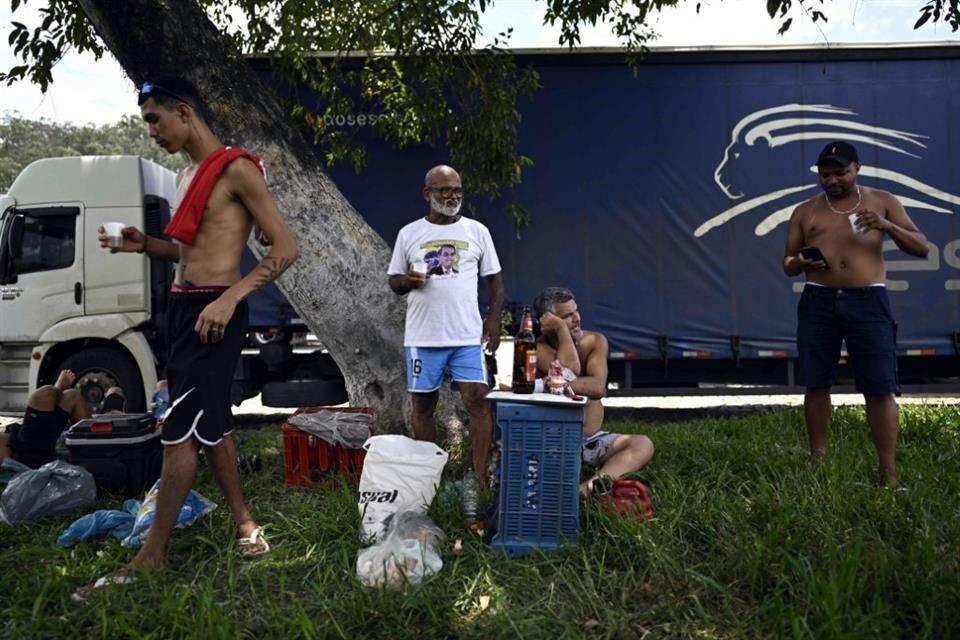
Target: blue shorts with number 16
(426,365)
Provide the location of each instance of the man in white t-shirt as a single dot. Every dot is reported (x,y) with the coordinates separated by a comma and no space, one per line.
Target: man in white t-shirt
(443,328)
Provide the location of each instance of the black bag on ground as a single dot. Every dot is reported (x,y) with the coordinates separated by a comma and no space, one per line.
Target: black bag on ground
(56,487)
(121,450)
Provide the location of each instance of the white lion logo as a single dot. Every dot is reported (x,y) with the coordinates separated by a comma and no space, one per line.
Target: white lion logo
(780,125)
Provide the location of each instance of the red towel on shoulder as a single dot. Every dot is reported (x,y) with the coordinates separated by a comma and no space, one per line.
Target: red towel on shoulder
(186,220)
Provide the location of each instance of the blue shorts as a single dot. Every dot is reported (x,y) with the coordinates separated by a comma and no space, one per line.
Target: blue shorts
(861,317)
(426,366)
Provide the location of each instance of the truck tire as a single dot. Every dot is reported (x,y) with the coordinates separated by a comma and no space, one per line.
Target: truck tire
(249,369)
(241,390)
(303,393)
(277,358)
(260,338)
(318,365)
(100,368)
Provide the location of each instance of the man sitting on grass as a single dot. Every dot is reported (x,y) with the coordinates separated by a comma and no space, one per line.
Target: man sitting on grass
(585,354)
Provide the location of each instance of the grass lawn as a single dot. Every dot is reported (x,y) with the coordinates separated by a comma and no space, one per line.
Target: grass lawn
(751,540)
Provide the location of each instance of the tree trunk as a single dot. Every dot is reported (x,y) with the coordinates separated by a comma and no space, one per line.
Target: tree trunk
(339,284)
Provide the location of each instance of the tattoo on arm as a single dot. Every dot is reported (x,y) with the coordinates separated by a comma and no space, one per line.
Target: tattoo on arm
(269,269)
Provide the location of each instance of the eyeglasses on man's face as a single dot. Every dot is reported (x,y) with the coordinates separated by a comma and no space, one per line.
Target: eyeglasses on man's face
(446,192)
(148,89)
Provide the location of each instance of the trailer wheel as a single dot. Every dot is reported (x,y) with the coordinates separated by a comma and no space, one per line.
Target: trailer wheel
(318,365)
(100,368)
(240,390)
(303,393)
(260,338)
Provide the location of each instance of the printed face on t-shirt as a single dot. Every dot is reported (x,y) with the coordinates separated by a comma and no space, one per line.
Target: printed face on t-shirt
(442,256)
(447,254)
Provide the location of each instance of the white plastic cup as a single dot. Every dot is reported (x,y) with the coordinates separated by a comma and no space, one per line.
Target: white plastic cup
(853,222)
(114,231)
(419,266)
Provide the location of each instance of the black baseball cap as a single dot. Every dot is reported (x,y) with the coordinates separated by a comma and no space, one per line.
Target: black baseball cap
(840,152)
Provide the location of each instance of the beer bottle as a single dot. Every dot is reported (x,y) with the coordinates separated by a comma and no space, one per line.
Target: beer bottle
(525,357)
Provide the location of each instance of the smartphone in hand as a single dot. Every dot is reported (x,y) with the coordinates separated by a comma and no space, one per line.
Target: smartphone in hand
(812,253)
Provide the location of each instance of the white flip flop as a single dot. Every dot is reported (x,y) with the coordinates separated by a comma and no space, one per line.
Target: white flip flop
(83,594)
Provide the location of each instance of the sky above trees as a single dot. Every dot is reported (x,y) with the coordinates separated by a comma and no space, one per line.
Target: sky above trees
(88,91)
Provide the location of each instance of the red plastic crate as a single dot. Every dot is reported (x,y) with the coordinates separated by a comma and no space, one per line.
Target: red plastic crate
(306,457)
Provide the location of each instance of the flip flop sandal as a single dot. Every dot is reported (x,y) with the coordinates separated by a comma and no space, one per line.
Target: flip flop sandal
(83,594)
(254,545)
(602,485)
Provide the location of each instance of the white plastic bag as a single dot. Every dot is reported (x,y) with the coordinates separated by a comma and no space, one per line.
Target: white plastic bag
(408,552)
(399,474)
(348,430)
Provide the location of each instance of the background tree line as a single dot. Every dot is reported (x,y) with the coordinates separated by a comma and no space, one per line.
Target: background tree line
(23,140)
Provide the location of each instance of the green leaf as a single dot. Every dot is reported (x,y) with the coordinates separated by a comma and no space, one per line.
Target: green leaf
(777,6)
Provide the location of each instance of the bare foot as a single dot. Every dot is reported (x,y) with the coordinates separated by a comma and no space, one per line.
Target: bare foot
(246,529)
(887,479)
(65,380)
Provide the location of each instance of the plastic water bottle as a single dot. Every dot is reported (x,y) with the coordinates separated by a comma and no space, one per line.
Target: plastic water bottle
(161,402)
(470,498)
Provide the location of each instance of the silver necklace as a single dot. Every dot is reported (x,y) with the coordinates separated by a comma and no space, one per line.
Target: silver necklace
(848,211)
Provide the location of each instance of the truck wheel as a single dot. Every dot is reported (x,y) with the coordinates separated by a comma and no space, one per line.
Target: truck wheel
(277,357)
(240,390)
(260,338)
(303,393)
(317,365)
(100,368)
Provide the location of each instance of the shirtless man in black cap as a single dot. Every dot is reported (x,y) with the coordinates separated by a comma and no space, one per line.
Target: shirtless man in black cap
(836,240)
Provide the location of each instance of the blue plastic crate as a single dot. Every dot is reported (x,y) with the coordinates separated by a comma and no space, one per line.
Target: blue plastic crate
(539,505)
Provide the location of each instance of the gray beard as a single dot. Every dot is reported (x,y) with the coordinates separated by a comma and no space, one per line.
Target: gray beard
(450,211)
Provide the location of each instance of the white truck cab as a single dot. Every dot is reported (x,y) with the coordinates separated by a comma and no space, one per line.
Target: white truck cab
(65,302)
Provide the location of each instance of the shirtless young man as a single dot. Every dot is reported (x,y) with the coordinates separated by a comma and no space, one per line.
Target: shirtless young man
(585,353)
(845,297)
(208,313)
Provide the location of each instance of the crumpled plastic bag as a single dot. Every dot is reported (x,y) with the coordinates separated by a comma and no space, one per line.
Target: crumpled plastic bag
(10,469)
(194,507)
(56,487)
(342,428)
(407,553)
(104,522)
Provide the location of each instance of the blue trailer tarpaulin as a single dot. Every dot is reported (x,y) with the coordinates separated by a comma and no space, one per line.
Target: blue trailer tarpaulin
(662,199)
